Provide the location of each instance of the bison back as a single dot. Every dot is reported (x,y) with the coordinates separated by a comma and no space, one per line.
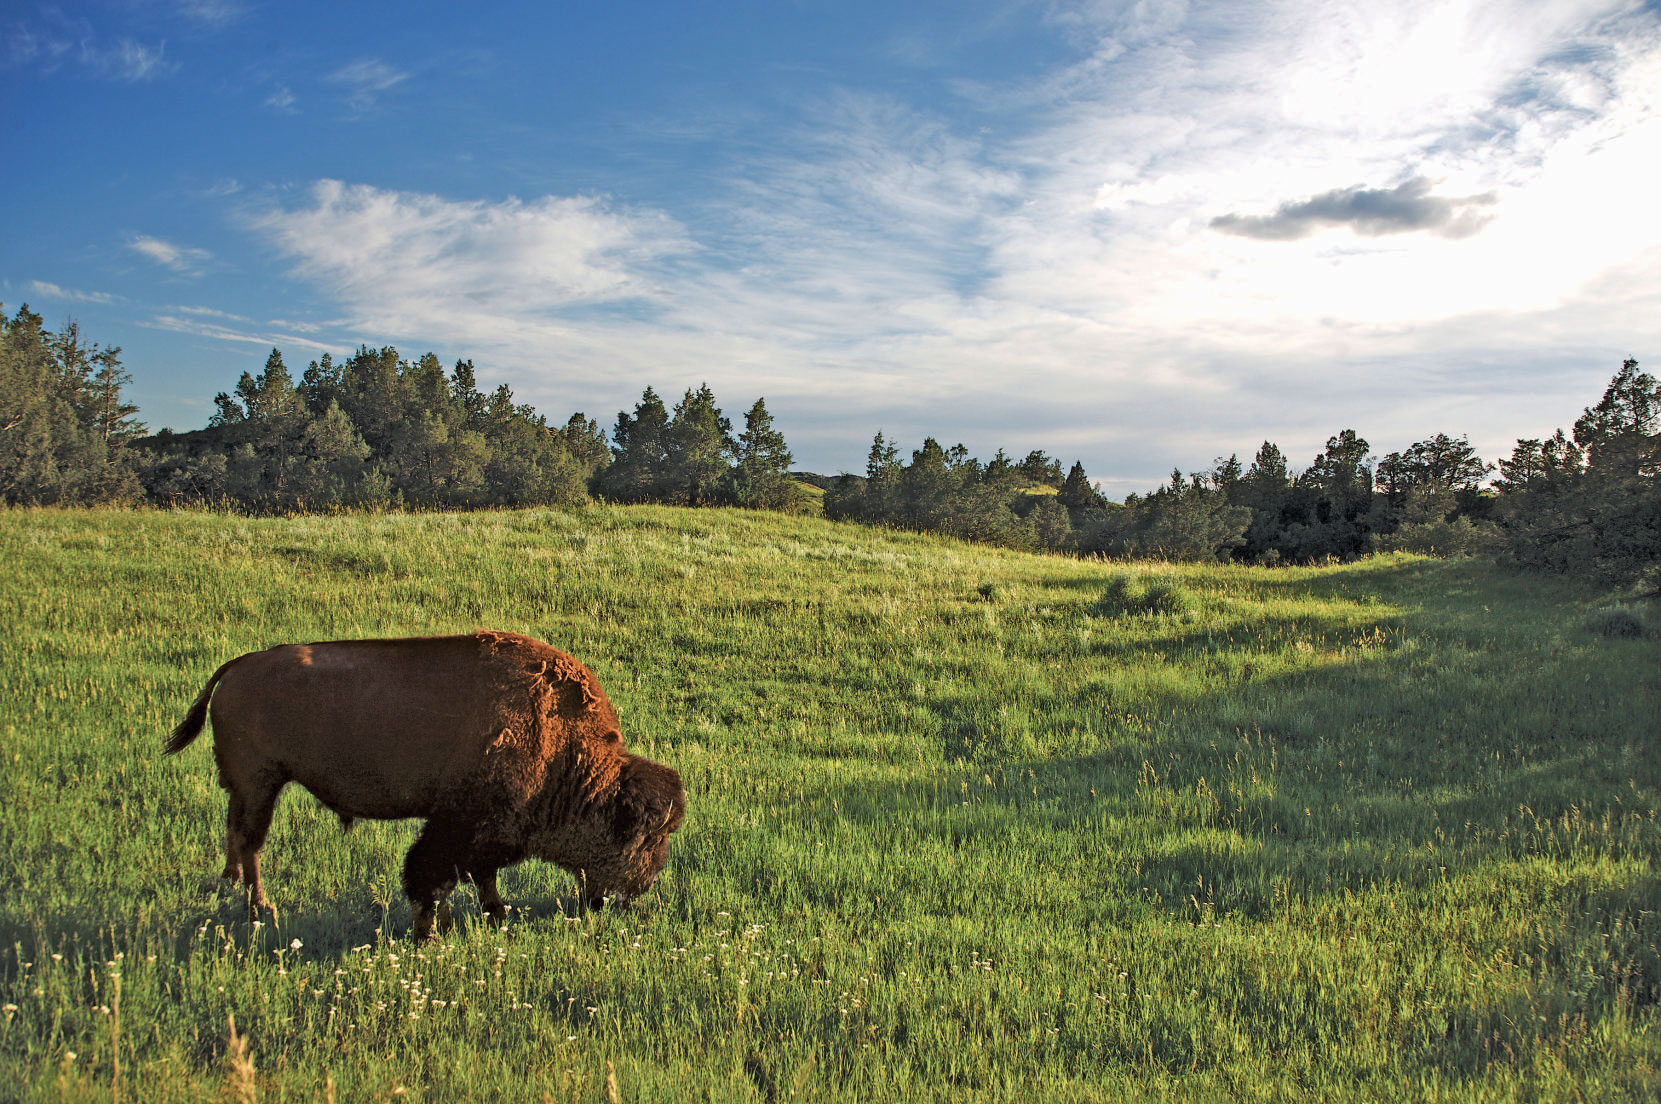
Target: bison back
(401,728)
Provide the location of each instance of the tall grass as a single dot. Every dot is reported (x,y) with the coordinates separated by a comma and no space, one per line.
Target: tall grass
(963,823)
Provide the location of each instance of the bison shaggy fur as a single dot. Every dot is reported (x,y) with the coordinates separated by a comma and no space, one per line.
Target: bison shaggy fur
(507,747)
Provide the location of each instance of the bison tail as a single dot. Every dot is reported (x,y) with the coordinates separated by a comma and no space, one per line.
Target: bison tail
(191,727)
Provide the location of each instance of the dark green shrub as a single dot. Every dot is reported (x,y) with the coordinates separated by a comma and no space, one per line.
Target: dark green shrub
(1129,593)
(1616,622)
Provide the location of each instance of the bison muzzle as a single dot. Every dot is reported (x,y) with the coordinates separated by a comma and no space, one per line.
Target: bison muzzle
(507,747)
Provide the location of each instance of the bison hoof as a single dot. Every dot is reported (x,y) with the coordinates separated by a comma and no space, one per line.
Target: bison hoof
(428,917)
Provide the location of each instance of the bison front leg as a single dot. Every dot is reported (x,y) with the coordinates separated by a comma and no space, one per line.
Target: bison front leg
(490,898)
(431,870)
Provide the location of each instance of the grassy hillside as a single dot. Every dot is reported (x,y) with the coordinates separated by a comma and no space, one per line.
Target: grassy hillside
(963,824)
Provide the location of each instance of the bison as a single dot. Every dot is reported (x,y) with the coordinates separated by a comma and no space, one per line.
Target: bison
(508,748)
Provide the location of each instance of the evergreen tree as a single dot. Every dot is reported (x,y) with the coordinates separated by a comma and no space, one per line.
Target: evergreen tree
(330,470)
(1618,434)
(1076,492)
(1268,471)
(761,475)
(1184,520)
(1052,525)
(586,442)
(320,385)
(639,455)
(1227,473)
(1000,469)
(64,426)
(698,446)
(1332,517)
(1535,465)
(464,392)
(882,479)
(1593,505)
(1041,469)
(1439,463)
(927,490)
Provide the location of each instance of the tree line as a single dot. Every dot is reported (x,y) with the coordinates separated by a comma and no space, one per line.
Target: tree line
(371,431)
(1588,503)
(375,431)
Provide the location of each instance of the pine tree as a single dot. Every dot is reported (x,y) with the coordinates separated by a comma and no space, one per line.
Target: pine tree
(698,445)
(639,452)
(1076,492)
(761,476)
(330,471)
(586,442)
(64,425)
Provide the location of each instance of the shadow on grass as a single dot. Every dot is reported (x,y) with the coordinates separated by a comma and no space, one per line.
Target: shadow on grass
(1508,797)
(217,912)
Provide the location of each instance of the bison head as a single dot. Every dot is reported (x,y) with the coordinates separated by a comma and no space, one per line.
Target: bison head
(649,805)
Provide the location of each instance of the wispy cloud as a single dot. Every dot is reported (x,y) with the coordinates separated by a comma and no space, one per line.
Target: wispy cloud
(282,100)
(210,312)
(48,290)
(53,39)
(200,324)
(134,62)
(1371,212)
(213,13)
(364,81)
(179,258)
(219,189)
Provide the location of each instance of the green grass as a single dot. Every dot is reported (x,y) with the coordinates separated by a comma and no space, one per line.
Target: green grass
(963,824)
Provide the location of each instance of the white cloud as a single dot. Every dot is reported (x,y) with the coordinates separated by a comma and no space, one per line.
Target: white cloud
(48,290)
(1142,152)
(282,100)
(179,258)
(403,262)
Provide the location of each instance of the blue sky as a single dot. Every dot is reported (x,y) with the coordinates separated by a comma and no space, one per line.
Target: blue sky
(1142,235)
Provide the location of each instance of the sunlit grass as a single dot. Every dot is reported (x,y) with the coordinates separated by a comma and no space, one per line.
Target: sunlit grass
(962,823)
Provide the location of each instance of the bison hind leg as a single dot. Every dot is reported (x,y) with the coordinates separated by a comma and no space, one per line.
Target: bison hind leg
(246,824)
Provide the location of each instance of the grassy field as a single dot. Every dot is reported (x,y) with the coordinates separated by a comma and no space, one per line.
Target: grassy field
(963,824)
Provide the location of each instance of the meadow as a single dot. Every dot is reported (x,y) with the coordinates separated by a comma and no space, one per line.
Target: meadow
(963,824)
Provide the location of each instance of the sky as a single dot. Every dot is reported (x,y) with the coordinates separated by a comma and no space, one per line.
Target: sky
(1141,235)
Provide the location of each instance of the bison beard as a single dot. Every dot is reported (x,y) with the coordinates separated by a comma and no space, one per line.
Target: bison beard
(508,748)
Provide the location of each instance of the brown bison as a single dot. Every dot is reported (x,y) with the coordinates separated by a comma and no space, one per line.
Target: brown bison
(506,746)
